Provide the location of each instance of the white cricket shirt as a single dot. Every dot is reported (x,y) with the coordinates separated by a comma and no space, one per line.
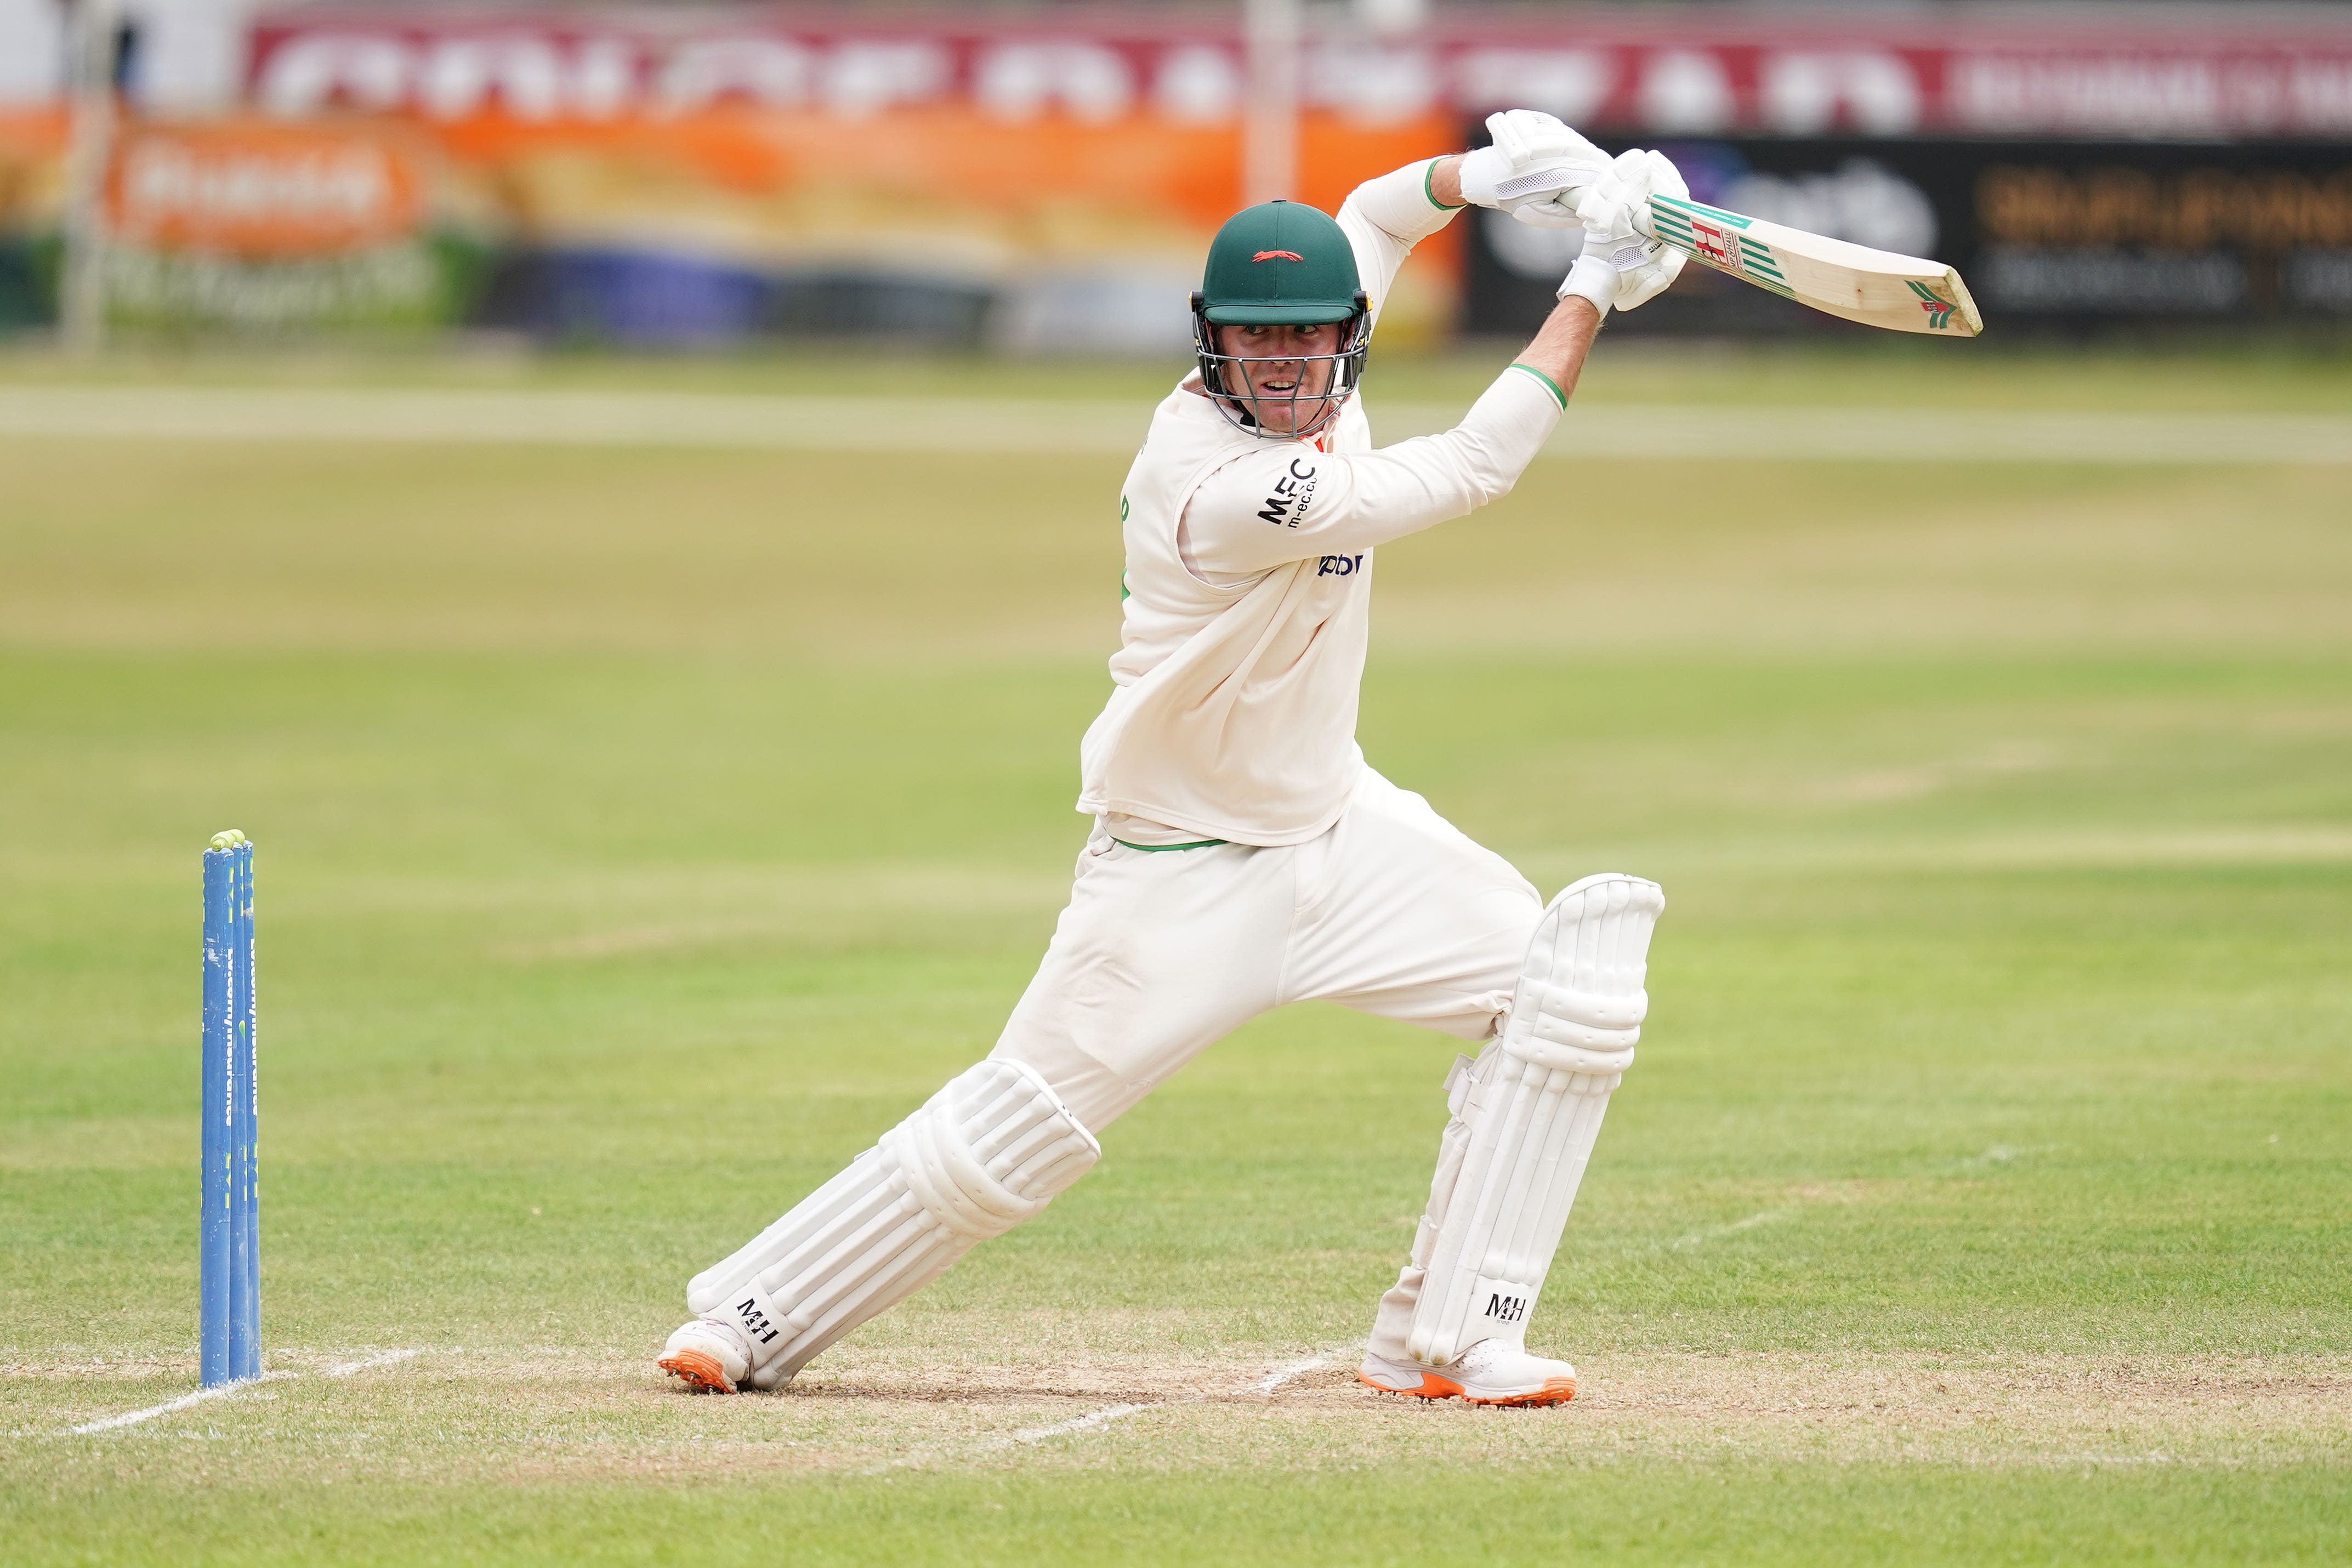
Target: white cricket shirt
(1249,574)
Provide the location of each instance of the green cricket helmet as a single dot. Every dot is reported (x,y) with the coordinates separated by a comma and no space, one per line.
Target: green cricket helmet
(1282,264)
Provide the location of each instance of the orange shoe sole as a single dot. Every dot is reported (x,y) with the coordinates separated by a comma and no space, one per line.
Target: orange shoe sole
(702,1372)
(1555,1390)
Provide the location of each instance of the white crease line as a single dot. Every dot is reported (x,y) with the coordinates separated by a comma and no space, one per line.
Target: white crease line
(1086,1422)
(1717,1233)
(2002,1154)
(220,1391)
(1094,1420)
(1999,1154)
(224,1391)
(381,1358)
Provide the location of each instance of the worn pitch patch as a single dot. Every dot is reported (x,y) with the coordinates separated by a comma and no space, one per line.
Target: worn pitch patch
(456,1414)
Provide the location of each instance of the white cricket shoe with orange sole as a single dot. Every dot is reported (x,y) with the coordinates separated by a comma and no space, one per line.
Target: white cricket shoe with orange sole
(711,1356)
(1491,1371)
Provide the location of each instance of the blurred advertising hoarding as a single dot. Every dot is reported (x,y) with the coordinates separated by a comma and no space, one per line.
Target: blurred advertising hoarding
(269,224)
(32,197)
(938,221)
(1044,184)
(2063,235)
(665,177)
(251,224)
(2054,71)
(1048,179)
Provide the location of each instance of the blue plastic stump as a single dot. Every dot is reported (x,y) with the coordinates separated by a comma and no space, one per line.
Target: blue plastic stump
(229,1232)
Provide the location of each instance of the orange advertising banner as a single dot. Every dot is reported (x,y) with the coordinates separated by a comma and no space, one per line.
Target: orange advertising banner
(1037,213)
(262,188)
(1180,172)
(1051,233)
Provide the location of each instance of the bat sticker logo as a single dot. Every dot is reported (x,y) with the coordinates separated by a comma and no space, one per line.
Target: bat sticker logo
(1716,247)
(1278,256)
(1939,311)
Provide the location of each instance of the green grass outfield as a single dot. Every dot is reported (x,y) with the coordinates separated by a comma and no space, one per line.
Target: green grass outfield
(642,830)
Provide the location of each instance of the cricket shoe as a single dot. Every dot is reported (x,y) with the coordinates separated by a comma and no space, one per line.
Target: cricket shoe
(1488,1373)
(711,1356)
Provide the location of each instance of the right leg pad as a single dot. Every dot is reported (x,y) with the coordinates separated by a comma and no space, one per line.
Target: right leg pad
(1526,1119)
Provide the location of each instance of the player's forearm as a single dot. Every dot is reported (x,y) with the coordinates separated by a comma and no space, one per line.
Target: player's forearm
(1408,204)
(1387,215)
(1430,479)
(1445,181)
(1560,347)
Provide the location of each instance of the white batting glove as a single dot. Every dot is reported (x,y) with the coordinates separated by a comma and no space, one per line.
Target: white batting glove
(1623,264)
(1535,170)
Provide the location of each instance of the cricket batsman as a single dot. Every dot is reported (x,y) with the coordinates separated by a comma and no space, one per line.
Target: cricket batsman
(1243,855)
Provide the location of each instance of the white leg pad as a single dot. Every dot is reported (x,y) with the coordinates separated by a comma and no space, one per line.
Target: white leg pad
(1526,1118)
(984,1154)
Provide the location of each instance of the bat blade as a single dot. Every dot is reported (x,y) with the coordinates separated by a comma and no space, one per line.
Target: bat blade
(1876,288)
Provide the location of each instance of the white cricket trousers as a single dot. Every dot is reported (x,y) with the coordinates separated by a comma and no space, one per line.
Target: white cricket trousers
(1393,910)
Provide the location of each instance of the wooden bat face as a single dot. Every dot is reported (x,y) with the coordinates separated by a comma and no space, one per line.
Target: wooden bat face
(1876,288)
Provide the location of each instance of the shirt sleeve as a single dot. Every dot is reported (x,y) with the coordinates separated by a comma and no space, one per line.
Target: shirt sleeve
(1291,503)
(1384,218)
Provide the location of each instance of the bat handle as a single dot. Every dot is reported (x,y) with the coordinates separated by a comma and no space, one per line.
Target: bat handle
(1646,220)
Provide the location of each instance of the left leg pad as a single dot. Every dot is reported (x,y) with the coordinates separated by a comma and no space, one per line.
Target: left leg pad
(987,1151)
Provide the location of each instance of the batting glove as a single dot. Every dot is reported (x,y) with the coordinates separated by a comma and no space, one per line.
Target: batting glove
(1623,264)
(1535,170)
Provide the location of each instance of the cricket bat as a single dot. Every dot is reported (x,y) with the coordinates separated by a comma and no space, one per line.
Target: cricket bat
(1876,288)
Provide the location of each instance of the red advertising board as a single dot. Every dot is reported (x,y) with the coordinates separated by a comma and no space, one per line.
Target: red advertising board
(2095,72)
